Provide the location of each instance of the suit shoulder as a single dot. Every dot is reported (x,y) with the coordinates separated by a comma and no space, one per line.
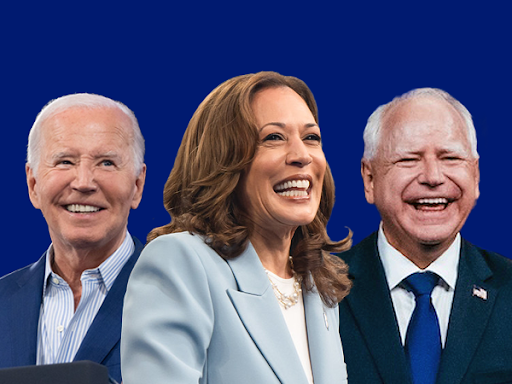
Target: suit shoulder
(173,241)
(179,249)
(10,282)
(500,265)
(365,246)
(491,257)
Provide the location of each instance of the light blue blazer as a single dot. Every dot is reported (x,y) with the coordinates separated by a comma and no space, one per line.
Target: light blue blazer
(191,317)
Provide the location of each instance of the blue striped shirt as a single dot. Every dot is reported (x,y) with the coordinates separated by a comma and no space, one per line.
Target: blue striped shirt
(61,329)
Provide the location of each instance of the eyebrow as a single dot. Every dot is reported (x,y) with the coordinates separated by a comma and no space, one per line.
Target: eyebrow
(109,154)
(283,125)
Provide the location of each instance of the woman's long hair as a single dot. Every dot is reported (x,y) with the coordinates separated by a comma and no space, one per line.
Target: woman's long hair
(200,194)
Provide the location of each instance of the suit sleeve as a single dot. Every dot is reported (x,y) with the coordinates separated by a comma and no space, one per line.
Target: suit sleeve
(167,317)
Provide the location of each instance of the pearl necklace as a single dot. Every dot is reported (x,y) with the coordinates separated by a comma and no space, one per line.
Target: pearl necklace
(287,301)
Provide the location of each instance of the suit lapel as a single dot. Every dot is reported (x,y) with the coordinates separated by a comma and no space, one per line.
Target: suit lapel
(24,306)
(105,331)
(261,315)
(469,315)
(323,340)
(372,310)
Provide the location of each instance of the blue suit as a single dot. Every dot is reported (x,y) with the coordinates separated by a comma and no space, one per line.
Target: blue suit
(478,345)
(20,303)
(192,317)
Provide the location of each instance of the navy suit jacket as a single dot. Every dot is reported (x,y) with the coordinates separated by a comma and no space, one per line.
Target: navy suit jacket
(20,303)
(478,346)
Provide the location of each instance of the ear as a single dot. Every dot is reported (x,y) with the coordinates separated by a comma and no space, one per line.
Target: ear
(477,178)
(139,187)
(31,183)
(367,174)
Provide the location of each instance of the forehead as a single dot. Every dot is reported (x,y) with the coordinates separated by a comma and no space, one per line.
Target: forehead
(86,128)
(424,122)
(280,104)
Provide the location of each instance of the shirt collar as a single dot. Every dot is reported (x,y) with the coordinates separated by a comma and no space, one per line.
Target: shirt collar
(397,267)
(108,270)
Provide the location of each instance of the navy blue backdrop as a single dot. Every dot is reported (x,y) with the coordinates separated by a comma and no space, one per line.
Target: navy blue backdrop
(162,59)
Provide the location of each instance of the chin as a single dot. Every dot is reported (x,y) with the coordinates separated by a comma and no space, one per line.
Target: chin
(435,238)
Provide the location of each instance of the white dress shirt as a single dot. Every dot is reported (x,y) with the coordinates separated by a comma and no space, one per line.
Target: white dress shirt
(61,329)
(397,267)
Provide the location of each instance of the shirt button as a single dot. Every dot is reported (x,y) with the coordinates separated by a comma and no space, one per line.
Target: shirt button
(55,281)
(60,328)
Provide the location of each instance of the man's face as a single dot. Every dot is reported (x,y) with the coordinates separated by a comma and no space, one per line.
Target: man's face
(86,183)
(423,179)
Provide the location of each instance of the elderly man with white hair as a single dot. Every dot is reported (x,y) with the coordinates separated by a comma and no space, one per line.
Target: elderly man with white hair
(85,172)
(426,306)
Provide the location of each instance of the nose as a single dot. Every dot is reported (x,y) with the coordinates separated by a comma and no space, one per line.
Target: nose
(84,180)
(298,154)
(432,173)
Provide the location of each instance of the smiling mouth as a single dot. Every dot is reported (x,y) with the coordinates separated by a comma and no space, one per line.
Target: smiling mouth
(79,208)
(293,188)
(431,204)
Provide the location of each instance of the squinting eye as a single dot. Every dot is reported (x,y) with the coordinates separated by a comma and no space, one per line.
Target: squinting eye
(107,163)
(64,162)
(273,136)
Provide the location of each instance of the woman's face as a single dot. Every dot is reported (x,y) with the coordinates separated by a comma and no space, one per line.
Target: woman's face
(282,187)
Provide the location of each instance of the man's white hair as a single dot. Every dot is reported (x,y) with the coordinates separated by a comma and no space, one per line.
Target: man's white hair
(81,100)
(373,129)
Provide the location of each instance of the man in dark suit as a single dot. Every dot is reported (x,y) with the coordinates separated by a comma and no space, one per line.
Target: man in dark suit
(420,169)
(85,171)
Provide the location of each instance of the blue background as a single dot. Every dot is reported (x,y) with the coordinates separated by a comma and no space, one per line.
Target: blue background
(162,59)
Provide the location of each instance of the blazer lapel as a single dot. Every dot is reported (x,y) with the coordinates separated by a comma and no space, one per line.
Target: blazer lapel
(24,306)
(469,315)
(261,315)
(323,340)
(370,304)
(105,331)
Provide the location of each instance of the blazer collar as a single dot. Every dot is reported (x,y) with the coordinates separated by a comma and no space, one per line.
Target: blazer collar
(105,330)
(469,315)
(324,340)
(261,315)
(24,306)
(368,296)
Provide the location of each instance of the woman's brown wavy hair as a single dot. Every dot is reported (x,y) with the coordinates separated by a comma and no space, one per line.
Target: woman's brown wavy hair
(200,194)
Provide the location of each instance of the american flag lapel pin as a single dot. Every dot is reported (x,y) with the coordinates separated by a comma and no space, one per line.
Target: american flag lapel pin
(479,292)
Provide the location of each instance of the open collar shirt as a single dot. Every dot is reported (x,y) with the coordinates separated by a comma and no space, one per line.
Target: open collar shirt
(61,329)
(397,267)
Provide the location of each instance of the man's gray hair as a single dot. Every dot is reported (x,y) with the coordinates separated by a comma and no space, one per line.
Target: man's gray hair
(81,100)
(373,129)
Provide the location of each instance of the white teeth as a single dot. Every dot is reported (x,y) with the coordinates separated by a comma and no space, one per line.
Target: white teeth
(302,184)
(78,208)
(439,200)
(293,193)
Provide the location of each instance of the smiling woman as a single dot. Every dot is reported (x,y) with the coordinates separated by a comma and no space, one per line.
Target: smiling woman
(240,286)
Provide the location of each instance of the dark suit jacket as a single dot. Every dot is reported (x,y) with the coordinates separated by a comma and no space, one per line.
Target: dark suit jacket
(20,303)
(478,346)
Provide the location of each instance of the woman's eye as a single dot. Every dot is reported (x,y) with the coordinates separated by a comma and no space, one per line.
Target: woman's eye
(273,136)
